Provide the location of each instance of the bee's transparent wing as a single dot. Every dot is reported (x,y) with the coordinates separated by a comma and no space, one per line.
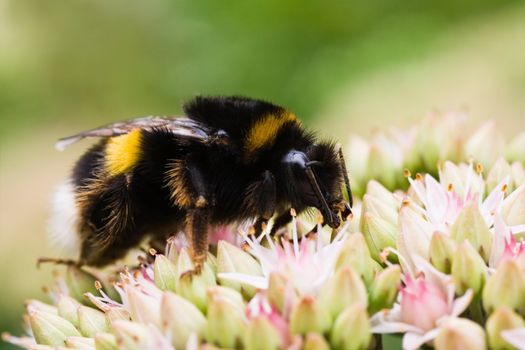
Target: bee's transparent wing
(178,125)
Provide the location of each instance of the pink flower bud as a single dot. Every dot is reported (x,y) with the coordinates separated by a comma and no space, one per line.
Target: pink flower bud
(422,303)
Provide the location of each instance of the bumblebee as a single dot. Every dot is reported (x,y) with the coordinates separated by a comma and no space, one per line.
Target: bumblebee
(229,159)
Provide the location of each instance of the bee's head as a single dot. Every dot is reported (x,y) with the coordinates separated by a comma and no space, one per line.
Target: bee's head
(316,178)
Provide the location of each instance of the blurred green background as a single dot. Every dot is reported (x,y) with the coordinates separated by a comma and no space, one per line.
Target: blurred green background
(343,67)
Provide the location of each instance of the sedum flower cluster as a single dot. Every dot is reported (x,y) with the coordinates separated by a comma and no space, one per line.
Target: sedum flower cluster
(424,146)
(439,265)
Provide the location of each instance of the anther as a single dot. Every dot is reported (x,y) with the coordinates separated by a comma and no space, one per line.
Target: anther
(98,285)
(479,168)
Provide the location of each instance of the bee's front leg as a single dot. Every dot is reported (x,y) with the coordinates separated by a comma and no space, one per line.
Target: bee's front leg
(260,200)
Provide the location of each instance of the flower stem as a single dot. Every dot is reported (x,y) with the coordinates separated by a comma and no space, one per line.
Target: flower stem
(476,311)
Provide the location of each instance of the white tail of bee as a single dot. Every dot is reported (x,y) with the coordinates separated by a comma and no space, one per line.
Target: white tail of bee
(63,224)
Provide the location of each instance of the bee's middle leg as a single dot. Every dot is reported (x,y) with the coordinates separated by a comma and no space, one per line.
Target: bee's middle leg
(198,218)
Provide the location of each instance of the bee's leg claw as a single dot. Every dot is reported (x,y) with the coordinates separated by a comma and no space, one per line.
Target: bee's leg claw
(312,233)
(189,274)
(347,212)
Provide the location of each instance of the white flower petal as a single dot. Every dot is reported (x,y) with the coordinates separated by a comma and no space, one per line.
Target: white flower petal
(393,327)
(419,189)
(193,342)
(517,229)
(412,341)
(255,281)
(414,234)
(501,236)
(492,204)
(436,201)
(431,273)
(516,337)
(460,304)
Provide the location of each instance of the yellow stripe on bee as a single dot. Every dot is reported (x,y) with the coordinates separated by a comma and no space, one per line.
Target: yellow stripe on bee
(264,132)
(123,152)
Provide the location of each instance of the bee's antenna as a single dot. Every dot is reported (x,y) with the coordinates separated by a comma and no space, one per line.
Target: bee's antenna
(345,175)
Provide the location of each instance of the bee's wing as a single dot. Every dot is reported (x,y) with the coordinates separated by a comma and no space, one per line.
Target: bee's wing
(178,125)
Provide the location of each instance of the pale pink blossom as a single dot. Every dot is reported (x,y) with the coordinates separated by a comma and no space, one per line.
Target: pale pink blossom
(505,246)
(306,263)
(259,306)
(424,304)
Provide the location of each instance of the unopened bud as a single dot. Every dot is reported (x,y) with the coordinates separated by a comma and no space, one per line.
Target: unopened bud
(279,291)
(193,286)
(142,307)
(91,321)
(513,208)
(50,329)
(384,290)
(260,334)
(117,313)
(353,318)
(515,149)
(232,259)
(379,207)
(358,153)
(471,226)
(486,144)
(378,191)
(382,165)
(226,325)
(132,335)
(500,320)
(355,254)
(315,341)
(342,290)
(468,269)
(36,305)
(499,172)
(228,294)
(460,333)
(378,233)
(105,341)
(80,343)
(308,315)
(506,287)
(80,282)
(165,273)
(181,318)
(442,248)
(68,308)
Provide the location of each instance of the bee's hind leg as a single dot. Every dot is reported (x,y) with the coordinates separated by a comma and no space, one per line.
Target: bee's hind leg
(58,261)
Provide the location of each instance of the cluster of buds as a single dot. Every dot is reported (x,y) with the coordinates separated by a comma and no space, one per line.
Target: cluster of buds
(441,264)
(437,138)
(460,244)
(303,293)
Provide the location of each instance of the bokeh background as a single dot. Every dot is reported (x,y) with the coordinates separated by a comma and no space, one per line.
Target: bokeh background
(343,66)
